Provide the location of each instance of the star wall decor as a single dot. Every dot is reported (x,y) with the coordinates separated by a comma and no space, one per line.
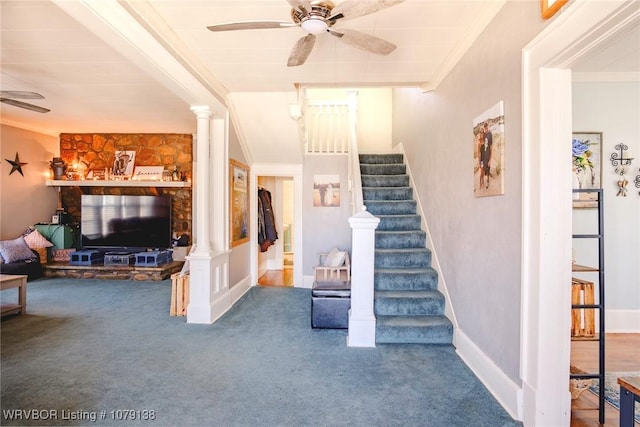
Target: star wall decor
(16,165)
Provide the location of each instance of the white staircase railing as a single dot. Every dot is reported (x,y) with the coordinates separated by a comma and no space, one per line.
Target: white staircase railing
(327,127)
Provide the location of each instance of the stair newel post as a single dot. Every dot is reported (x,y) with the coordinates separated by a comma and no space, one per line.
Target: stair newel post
(362,321)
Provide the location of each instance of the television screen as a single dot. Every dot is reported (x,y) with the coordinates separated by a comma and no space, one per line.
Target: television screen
(125,222)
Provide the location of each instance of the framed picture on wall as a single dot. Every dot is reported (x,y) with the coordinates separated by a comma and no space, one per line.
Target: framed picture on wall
(239,203)
(586,150)
(326,190)
(550,7)
(488,152)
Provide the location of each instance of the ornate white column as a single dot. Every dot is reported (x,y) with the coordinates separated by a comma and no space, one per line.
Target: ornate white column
(209,294)
(201,182)
(362,321)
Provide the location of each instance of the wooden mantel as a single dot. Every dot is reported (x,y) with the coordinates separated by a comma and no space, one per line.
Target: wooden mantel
(116,183)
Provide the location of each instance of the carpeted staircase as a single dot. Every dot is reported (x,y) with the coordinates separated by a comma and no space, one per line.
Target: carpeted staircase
(407,304)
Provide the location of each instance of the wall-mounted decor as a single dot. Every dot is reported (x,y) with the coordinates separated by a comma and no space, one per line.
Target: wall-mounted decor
(488,152)
(239,203)
(586,148)
(123,163)
(326,190)
(621,159)
(16,165)
(550,7)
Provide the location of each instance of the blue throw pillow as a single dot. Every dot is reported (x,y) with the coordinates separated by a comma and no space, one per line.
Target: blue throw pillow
(15,250)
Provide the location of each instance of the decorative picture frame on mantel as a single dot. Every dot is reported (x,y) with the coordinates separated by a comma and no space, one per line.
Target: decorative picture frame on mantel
(550,7)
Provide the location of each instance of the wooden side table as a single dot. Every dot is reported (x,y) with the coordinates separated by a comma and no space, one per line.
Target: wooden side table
(629,394)
(9,281)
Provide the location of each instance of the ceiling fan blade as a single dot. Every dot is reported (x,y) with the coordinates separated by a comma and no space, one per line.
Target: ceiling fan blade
(350,9)
(24,105)
(364,41)
(302,5)
(20,94)
(301,50)
(255,25)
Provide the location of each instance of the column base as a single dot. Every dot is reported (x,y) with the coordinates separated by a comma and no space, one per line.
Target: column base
(362,331)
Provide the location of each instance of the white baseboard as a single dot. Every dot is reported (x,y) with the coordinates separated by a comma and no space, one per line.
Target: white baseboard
(307,282)
(622,321)
(506,392)
(239,289)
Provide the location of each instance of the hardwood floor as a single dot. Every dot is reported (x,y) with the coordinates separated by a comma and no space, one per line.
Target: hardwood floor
(277,278)
(621,354)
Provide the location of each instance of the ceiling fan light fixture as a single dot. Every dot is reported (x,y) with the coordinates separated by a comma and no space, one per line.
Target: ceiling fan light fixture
(314,25)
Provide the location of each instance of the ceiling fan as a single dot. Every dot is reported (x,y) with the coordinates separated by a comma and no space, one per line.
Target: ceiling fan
(318,16)
(7,96)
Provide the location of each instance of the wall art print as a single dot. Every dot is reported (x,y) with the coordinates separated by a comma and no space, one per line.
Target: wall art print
(239,203)
(586,150)
(326,190)
(488,152)
(123,163)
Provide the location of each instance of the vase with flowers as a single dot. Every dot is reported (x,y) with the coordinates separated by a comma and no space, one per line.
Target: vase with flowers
(582,164)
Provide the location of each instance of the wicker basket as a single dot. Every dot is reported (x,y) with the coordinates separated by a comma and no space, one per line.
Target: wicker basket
(42,252)
(578,386)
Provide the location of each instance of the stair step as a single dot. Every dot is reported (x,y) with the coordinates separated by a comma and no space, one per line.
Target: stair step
(408,303)
(383,169)
(405,279)
(385,180)
(401,239)
(399,222)
(413,330)
(391,207)
(402,258)
(387,193)
(381,158)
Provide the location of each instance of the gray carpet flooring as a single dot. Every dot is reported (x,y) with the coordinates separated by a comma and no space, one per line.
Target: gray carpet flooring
(110,350)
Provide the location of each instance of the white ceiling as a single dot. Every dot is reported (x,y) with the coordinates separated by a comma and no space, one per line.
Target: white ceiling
(137,66)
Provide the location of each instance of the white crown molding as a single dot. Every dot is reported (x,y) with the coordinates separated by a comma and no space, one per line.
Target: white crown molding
(603,77)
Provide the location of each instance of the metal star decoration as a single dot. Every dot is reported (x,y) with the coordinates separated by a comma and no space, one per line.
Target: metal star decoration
(16,165)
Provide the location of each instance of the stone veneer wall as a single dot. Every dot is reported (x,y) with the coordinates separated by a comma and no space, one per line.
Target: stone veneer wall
(97,151)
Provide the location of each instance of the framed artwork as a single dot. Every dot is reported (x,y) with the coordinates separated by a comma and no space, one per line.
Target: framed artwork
(239,203)
(326,190)
(550,7)
(586,150)
(123,163)
(488,152)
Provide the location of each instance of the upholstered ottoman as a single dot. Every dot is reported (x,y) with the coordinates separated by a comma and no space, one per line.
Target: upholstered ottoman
(330,303)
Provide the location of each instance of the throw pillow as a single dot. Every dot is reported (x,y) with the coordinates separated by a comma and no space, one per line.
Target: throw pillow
(15,250)
(335,258)
(35,240)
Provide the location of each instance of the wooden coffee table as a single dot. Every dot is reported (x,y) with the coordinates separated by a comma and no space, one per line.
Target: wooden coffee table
(9,281)
(629,394)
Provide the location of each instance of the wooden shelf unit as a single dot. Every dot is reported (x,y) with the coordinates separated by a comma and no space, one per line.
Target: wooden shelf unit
(599,306)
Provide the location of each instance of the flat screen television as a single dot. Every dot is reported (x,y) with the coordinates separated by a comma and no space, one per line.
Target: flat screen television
(122,222)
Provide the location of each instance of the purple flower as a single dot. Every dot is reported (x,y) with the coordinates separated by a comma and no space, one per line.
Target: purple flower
(579,147)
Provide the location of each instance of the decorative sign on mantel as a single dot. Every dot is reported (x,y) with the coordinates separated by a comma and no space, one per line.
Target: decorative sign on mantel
(148,173)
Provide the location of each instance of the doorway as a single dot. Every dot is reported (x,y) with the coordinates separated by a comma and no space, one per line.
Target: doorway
(276,258)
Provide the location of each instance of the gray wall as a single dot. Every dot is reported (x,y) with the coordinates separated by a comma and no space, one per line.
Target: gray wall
(25,200)
(612,108)
(477,240)
(324,227)
(240,257)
